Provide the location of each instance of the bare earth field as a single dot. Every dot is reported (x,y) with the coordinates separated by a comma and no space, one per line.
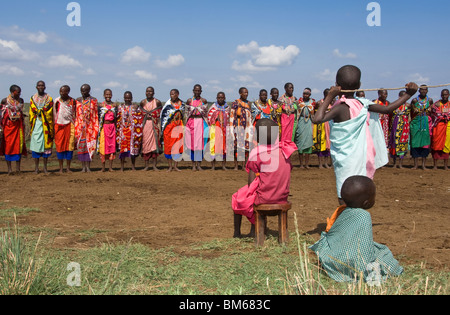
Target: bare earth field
(160,209)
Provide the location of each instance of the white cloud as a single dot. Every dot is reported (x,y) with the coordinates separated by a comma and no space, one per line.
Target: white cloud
(136,54)
(349,55)
(89,71)
(11,70)
(10,51)
(418,78)
(142,74)
(178,82)
(249,67)
(115,84)
(37,38)
(88,51)
(19,33)
(326,75)
(265,58)
(172,61)
(242,78)
(63,61)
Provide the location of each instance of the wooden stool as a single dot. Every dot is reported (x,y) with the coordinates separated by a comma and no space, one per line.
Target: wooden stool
(263,211)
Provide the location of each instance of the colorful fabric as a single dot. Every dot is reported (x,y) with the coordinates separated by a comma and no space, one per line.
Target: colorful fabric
(41,124)
(137,127)
(87,127)
(12,123)
(64,118)
(321,136)
(196,128)
(352,146)
(289,104)
(276,110)
(304,133)
(260,111)
(241,122)
(106,144)
(218,118)
(384,120)
(273,167)
(399,136)
(348,252)
(420,129)
(151,142)
(440,139)
(172,127)
(123,128)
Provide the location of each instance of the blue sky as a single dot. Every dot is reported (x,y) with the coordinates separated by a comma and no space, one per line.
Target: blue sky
(223,45)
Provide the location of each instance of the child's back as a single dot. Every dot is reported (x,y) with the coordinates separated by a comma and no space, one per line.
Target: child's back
(346,249)
(274,171)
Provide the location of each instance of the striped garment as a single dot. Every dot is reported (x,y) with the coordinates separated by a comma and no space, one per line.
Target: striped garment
(348,252)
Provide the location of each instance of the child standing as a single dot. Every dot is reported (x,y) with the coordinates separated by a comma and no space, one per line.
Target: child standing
(64,117)
(346,250)
(123,126)
(357,140)
(41,124)
(269,174)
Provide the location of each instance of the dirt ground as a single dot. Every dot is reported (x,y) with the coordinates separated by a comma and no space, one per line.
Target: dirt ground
(161,209)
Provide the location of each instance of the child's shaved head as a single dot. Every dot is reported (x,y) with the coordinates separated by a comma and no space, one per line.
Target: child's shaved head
(267,131)
(359,192)
(349,78)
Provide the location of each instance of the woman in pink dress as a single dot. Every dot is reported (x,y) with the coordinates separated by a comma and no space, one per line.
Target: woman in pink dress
(197,117)
(151,142)
(107,136)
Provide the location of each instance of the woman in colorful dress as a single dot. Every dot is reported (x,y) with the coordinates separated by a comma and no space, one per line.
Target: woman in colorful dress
(261,108)
(275,107)
(13,129)
(172,127)
(196,127)
(399,133)
(123,127)
(137,127)
(384,119)
(241,124)
(420,127)
(107,144)
(64,118)
(86,127)
(321,137)
(440,139)
(151,142)
(304,135)
(218,117)
(42,130)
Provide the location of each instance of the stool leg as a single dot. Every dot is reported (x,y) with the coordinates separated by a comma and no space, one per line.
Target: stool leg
(259,230)
(282,228)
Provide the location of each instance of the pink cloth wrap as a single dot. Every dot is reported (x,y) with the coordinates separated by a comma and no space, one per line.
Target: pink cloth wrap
(244,199)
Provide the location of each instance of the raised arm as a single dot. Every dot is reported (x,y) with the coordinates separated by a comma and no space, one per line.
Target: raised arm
(411,89)
(337,113)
